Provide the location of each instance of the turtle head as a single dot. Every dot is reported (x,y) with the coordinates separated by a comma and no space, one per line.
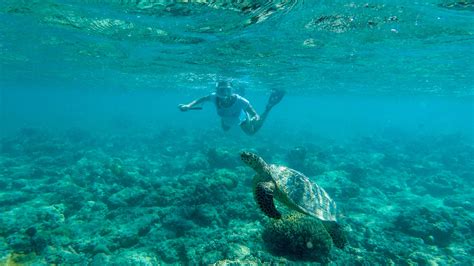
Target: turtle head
(253,160)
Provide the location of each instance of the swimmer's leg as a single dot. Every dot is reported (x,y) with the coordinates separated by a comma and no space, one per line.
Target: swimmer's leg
(251,126)
(248,127)
(224,126)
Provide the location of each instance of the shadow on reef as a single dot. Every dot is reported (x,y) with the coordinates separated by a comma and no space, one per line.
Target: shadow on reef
(303,238)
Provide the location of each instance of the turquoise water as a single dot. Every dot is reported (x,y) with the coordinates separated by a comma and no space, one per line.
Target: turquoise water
(99,166)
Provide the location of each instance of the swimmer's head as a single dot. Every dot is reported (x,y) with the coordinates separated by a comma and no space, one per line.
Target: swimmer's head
(223,89)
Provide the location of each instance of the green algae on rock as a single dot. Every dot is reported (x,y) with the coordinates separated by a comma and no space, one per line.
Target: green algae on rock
(299,237)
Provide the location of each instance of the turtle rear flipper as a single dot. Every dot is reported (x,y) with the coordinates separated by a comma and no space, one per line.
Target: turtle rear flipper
(337,233)
(264,198)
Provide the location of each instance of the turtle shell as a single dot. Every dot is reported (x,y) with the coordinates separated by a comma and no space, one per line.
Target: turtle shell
(298,192)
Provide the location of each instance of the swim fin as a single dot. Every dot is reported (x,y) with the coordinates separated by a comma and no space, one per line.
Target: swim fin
(275,98)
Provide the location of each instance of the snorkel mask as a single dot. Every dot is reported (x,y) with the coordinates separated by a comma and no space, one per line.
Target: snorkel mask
(223,89)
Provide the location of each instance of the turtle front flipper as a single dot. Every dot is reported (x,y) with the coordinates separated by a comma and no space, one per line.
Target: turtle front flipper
(263,193)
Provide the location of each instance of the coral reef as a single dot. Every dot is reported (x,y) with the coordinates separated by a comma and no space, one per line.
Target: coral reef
(296,157)
(222,158)
(434,226)
(299,237)
(167,198)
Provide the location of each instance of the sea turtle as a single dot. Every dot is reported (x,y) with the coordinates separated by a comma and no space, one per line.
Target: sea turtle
(296,191)
(290,187)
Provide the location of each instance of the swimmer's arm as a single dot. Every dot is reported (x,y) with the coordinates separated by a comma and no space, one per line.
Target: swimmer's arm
(192,105)
(251,111)
(199,101)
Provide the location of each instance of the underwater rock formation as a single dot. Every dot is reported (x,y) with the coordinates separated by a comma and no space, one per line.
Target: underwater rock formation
(296,157)
(197,163)
(434,226)
(221,158)
(129,196)
(298,237)
(441,184)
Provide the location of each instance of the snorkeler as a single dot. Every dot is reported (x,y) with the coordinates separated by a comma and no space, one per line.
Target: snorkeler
(235,109)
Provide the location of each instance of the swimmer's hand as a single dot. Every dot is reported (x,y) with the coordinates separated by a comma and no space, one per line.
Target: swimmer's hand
(255,118)
(184,107)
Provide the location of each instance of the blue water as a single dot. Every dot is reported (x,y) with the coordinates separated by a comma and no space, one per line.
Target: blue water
(99,166)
